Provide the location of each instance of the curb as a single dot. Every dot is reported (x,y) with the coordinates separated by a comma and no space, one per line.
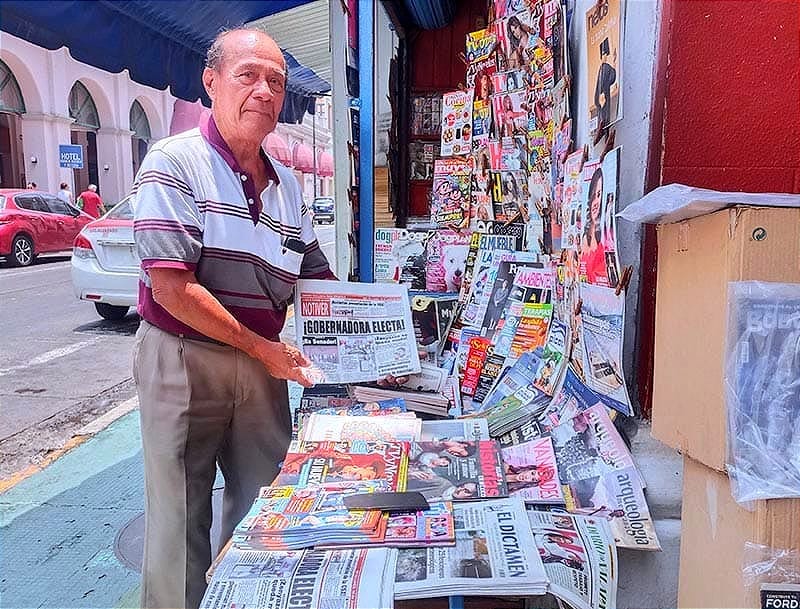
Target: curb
(78,438)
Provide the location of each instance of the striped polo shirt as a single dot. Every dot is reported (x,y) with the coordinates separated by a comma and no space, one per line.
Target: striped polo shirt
(197,209)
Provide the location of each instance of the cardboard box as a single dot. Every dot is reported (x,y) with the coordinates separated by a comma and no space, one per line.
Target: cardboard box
(696,260)
(714,531)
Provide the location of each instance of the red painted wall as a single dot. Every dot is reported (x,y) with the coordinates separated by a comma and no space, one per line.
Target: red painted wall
(732,112)
(727,105)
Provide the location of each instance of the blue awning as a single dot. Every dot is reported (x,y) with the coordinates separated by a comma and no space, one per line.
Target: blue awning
(161,43)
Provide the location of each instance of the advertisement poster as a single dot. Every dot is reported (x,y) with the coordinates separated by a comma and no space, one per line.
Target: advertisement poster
(604,61)
(457,123)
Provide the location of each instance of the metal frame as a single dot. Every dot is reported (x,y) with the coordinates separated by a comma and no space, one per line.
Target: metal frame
(366,153)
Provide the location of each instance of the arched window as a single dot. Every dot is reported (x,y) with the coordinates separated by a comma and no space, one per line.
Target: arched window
(82,108)
(138,122)
(10,94)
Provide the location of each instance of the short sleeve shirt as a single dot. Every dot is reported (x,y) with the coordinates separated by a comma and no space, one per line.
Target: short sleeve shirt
(196,209)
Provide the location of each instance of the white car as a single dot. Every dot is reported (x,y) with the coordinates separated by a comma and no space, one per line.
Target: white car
(105,267)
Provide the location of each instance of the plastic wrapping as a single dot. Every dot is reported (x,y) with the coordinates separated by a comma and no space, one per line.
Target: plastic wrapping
(762,383)
(676,202)
(766,565)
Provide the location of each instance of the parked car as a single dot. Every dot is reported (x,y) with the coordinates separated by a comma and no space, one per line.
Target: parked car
(105,267)
(34,222)
(322,207)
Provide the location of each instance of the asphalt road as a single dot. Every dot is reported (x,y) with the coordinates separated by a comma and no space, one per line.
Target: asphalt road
(61,365)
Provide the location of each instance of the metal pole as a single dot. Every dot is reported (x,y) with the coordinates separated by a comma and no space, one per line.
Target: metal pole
(341,130)
(366,67)
(314,144)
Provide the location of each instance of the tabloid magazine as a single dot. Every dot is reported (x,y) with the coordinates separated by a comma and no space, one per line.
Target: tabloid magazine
(457,470)
(457,123)
(495,554)
(355,332)
(579,557)
(451,193)
(531,471)
(309,463)
(334,579)
(400,256)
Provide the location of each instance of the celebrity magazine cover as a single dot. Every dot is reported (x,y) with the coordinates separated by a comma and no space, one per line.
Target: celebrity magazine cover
(531,471)
(604,61)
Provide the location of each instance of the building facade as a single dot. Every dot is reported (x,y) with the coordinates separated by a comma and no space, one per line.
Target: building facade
(48,99)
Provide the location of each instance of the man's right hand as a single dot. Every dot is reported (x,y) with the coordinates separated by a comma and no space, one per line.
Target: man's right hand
(284,361)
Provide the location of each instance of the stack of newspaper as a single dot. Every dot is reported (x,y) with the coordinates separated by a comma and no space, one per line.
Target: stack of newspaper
(421,401)
(403,427)
(291,518)
(495,554)
(334,579)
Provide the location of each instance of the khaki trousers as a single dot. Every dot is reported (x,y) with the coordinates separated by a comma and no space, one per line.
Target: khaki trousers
(201,404)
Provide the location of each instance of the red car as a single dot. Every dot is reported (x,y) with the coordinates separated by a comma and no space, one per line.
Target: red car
(34,222)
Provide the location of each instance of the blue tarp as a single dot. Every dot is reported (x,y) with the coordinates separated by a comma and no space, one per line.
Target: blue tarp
(161,43)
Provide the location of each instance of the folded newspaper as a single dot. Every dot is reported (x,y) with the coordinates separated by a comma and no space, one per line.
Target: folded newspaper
(495,554)
(334,579)
(355,332)
(579,557)
(403,427)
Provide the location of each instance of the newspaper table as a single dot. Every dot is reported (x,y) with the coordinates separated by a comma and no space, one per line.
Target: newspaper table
(580,558)
(495,554)
(355,332)
(335,579)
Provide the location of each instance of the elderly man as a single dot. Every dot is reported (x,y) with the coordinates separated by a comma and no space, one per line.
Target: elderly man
(223,236)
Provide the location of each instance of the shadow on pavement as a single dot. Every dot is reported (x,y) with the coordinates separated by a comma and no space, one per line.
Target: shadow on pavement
(124,327)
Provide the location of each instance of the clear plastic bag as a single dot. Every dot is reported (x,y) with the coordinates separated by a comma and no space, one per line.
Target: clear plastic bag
(766,565)
(762,383)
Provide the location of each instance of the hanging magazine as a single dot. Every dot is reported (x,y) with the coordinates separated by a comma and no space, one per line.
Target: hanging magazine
(400,256)
(457,123)
(598,244)
(446,256)
(603,323)
(451,193)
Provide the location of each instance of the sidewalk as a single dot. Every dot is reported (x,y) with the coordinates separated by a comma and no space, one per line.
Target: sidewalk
(75,527)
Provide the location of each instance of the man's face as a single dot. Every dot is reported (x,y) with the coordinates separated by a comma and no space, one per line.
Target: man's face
(248,88)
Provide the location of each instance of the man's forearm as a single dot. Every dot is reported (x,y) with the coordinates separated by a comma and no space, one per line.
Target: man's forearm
(191,303)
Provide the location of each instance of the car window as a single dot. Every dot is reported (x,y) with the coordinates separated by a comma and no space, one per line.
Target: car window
(31,203)
(57,206)
(122,211)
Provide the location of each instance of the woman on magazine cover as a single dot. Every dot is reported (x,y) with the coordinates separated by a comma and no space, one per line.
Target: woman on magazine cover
(593,251)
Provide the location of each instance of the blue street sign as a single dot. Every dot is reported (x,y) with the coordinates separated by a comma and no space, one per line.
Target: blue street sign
(70,156)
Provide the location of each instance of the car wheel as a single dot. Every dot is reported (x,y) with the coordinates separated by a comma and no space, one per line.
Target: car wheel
(22,251)
(111,312)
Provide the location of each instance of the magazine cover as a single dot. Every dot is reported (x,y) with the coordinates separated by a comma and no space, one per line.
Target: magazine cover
(517,38)
(355,332)
(534,322)
(315,463)
(350,408)
(554,357)
(509,194)
(603,323)
(499,294)
(554,33)
(492,370)
(480,52)
(598,249)
(528,430)
(508,153)
(431,527)
(510,113)
(571,201)
(531,285)
(495,554)
(451,192)
(421,156)
(431,315)
(446,258)
(573,397)
(400,256)
(520,376)
(456,470)
(604,63)
(476,356)
(455,429)
(618,497)
(480,207)
(335,428)
(531,471)
(474,315)
(514,80)
(580,558)
(456,123)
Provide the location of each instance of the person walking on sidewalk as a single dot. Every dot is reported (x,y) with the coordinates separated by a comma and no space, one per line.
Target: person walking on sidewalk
(223,236)
(90,202)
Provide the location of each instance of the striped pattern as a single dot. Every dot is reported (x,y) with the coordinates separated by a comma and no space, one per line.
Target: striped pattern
(192,208)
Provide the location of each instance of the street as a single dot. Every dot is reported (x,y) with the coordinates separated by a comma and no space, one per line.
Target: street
(61,365)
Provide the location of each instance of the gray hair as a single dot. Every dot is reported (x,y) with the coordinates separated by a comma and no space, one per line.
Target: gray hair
(93,187)
(216,52)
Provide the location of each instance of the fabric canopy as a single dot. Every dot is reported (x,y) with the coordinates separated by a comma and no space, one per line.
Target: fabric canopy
(303,158)
(277,147)
(324,164)
(161,43)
